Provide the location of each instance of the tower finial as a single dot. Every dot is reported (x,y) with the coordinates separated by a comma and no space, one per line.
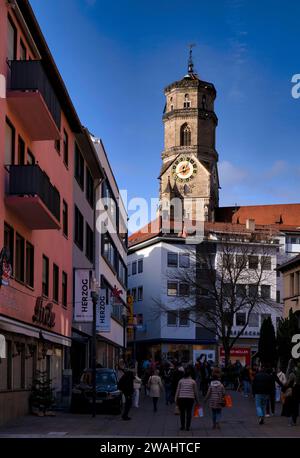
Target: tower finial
(190,61)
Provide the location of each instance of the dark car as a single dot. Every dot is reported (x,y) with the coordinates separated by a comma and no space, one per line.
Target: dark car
(108,397)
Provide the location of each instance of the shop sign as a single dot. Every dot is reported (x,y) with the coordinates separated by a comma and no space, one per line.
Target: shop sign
(43,314)
(2,346)
(238,352)
(83,307)
(103,313)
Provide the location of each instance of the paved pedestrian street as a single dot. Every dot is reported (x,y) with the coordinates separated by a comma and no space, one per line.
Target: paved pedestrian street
(239,421)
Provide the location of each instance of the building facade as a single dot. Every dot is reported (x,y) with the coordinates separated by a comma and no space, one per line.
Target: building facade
(290,271)
(38,126)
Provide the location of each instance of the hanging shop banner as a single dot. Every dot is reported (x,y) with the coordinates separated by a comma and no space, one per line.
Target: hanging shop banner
(83,307)
(103,321)
(2,346)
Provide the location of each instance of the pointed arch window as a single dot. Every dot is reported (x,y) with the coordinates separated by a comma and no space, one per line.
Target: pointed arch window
(187,102)
(185,135)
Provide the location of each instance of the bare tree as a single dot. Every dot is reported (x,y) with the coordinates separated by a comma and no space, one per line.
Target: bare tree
(225,276)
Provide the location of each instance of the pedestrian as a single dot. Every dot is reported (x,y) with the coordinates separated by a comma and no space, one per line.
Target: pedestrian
(291,399)
(125,385)
(176,376)
(186,394)
(246,379)
(280,382)
(262,387)
(205,371)
(270,407)
(155,388)
(137,383)
(216,396)
(167,379)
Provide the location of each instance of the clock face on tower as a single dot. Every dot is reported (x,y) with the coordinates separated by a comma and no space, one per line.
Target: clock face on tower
(184,169)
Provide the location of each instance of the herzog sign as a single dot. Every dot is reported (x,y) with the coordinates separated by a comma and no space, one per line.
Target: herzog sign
(103,310)
(83,307)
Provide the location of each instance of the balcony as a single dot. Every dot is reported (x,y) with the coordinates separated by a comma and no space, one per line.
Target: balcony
(32,98)
(31,196)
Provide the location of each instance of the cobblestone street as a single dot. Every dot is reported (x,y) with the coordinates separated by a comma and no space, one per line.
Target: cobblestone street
(239,421)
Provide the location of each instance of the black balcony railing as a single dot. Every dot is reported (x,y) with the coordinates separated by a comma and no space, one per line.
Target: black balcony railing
(30,180)
(29,75)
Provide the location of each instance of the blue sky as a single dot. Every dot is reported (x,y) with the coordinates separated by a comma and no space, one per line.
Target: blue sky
(117,56)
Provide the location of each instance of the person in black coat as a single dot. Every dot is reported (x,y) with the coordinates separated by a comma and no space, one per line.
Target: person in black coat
(291,393)
(262,388)
(126,386)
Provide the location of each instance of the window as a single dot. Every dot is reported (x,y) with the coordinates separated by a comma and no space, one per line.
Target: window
(187,102)
(172,259)
(9,242)
(79,167)
(20,258)
(253,291)
(266,263)
(109,251)
(240,261)
(253,320)
(278,296)
(29,264)
(292,288)
(11,40)
(140,293)
(184,289)
(109,201)
(172,318)
(203,292)
(241,291)
(57,145)
(45,276)
(55,283)
(183,318)
(133,293)
(30,158)
(64,289)
(89,243)
(184,260)
(172,288)
(89,188)
(253,262)
(21,151)
(122,273)
(227,289)
(265,291)
(185,135)
(78,228)
(134,268)
(9,155)
(66,148)
(65,218)
(277,271)
(240,319)
(140,266)
(23,51)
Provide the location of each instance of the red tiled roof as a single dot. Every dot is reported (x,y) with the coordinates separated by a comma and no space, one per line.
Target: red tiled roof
(279,214)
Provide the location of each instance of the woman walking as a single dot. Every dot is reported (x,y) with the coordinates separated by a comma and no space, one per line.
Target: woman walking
(215,394)
(291,401)
(155,388)
(186,394)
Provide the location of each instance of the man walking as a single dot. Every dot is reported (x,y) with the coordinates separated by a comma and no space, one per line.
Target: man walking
(126,386)
(262,389)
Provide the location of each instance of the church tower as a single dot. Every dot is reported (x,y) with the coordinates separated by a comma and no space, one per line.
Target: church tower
(189,168)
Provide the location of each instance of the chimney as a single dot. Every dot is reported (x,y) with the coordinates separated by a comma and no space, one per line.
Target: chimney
(250,225)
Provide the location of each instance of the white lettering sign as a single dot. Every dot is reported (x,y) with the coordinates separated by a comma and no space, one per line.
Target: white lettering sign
(83,307)
(103,321)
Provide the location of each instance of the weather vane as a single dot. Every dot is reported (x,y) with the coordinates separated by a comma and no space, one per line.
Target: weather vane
(190,61)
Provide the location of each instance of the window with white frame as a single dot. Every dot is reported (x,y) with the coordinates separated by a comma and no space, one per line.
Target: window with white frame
(172,317)
(253,320)
(172,288)
(183,318)
(184,260)
(172,259)
(140,293)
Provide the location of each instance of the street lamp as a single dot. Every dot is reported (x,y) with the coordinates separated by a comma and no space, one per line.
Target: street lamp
(95,298)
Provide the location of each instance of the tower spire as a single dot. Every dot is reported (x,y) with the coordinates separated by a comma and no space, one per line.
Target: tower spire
(190,61)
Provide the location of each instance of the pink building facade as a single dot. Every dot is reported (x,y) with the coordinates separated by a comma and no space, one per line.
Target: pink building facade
(38,128)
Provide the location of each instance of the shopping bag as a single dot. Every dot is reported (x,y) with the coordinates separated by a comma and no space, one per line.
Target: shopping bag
(228,400)
(176,411)
(198,411)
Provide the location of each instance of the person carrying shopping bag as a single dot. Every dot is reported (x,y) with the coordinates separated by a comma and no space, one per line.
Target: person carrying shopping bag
(216,396)
(186,394)
(155,388)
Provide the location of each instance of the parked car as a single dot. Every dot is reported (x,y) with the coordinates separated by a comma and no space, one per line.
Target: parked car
(108,397)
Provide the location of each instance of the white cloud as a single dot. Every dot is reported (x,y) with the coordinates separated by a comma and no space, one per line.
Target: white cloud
(230,174)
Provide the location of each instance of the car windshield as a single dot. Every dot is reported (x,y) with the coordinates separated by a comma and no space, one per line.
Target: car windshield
(105,378)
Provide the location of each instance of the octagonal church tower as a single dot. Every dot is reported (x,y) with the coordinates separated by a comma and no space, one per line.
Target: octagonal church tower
(189,168)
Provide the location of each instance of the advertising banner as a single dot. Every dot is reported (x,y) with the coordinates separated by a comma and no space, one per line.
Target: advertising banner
(103,313)
(83,307)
